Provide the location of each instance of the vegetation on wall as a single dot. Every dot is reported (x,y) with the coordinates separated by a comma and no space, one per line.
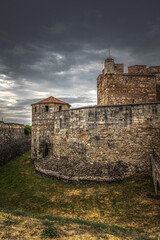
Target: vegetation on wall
(27,129)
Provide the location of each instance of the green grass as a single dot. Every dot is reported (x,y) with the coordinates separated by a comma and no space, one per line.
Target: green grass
(119,208)
(50,232)
(10,221)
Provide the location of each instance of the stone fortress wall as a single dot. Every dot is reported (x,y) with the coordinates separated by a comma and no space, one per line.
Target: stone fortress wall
(107,142)
(101,143)
(13,141)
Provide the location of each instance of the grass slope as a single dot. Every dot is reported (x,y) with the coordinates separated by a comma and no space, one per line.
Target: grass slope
(124,209)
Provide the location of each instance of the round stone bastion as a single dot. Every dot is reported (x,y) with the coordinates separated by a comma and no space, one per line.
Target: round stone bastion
(101,143)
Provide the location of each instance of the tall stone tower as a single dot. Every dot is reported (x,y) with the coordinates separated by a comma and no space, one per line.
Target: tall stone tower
(139,85)
(43,126)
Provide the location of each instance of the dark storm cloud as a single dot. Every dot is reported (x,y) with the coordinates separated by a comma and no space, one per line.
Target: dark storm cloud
(58,47)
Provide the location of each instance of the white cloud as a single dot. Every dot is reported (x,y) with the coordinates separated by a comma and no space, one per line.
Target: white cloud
(6,82)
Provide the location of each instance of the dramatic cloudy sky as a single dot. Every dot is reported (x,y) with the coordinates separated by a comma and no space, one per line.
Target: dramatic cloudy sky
(57,48)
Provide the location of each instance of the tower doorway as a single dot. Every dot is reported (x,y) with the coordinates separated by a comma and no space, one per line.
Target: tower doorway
(46,150)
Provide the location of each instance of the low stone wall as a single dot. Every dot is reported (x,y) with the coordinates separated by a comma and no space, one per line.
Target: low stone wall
(13,141)
(101,143)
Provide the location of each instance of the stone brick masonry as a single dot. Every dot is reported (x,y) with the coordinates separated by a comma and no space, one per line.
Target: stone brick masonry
(139,85)
(101,143)
(13,141)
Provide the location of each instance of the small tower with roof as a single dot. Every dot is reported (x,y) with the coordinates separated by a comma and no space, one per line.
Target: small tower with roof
(43,125)
(46,108)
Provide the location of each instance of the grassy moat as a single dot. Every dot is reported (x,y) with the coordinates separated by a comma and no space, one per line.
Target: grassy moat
(35,207)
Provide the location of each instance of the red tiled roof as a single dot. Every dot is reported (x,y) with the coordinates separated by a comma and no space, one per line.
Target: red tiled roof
(51,100)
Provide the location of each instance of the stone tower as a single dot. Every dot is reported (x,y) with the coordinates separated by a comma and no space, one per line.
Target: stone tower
(43,125)
(109,66)
(139,85)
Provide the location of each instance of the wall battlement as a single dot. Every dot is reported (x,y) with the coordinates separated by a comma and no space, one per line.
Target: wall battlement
(139,85)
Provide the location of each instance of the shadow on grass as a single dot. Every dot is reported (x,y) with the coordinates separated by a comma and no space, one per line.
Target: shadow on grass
(118,203)
(99,227)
